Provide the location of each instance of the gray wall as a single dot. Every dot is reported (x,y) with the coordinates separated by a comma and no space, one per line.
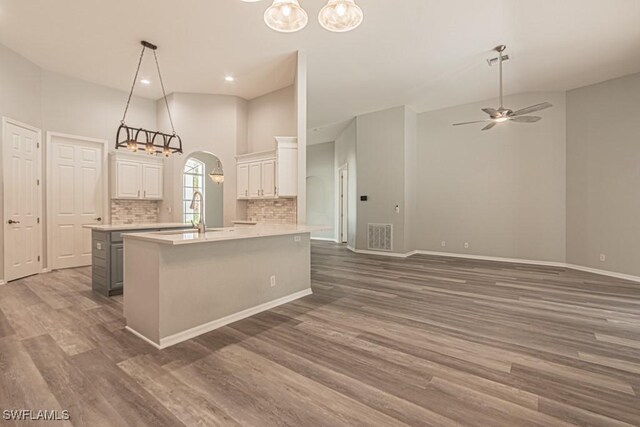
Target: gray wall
(273,114)
(207,123)
(603,175)
(503,190)
(381,173)
(321,188)
(345,148)
(57,103)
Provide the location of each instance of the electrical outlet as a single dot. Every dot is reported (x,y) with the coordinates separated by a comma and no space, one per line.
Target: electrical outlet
(466,245)
(273,281)
(397,208)
(603,257)
(443,243)
(99,246)
(296,239)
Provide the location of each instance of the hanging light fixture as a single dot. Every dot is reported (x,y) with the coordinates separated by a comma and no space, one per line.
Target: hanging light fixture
(340,15)
(154,142)
(217,175)
(286,16)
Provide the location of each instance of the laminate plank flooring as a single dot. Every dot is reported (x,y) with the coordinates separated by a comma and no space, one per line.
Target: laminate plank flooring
(422,341)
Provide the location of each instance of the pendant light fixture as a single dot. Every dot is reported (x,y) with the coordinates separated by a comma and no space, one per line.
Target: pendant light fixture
(153,142)
(340,16)
(286,16)
(217,175)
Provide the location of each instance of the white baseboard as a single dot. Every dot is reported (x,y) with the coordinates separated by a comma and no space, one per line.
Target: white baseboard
(2,282)
(492,258)
(604,272)
(500,259)
(324,239)
(142,337)
(218,323)
(46,270)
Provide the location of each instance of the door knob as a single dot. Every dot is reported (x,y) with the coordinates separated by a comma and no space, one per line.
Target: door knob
(99,219)
(13,222)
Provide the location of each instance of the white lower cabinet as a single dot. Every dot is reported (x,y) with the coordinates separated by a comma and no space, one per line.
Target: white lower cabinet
(136,178)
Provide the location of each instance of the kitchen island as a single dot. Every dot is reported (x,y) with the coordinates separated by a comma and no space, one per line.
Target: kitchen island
(181,284)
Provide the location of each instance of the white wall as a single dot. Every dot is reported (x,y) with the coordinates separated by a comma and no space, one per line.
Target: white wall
(603,175)
(210,123)
(503,190)
(345,154)
(270,115)
(381,173)
(321,188)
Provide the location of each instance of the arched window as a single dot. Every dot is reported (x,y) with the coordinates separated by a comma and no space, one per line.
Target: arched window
(192,181)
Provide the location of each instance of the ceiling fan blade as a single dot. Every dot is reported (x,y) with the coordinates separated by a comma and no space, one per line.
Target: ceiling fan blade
(490,125)
(526,119)
(468,123)
(532,109)
(491,111)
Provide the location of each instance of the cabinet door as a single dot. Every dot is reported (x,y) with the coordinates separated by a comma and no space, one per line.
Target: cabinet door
(117,266)
(128,180)
(255,180)
(269,178)
(152,181)
(243,181)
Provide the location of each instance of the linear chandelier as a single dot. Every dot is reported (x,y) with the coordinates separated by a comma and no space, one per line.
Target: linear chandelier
(287,16)
(153,142)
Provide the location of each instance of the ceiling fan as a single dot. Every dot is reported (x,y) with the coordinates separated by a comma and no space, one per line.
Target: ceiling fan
(502,114)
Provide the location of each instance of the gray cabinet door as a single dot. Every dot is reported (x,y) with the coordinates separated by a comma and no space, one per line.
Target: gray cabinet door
(117,266)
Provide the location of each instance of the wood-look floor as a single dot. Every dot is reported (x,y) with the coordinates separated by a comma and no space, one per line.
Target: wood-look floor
(383,341)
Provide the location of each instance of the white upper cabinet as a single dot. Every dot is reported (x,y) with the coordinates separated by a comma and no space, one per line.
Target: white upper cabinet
(242,181)
(136,178)
(152,181)
(268,178)
(269,174)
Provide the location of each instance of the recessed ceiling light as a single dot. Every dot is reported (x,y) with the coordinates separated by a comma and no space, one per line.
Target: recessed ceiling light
(145,81)
(229,79)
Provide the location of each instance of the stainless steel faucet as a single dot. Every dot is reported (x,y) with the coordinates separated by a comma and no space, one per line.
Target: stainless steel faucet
(201,225)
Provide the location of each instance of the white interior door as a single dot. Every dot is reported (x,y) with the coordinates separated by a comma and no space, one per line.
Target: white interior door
(22,196)
(75,198)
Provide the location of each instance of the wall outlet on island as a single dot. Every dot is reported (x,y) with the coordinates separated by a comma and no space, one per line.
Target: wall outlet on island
(296,239)
(273,281)
(603,257)
(466,245)
(443,243)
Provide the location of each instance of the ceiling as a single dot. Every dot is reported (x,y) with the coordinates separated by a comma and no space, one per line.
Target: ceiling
(425,53)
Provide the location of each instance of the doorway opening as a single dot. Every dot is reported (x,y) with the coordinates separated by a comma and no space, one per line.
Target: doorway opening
(343,204)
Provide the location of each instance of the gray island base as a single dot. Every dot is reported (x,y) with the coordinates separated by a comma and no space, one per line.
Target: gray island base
(182,285)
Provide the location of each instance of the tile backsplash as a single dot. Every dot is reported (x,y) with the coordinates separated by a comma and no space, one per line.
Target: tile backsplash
(278,211)
(134,211)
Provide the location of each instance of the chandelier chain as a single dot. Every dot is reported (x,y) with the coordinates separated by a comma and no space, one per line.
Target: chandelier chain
(133,85)
(166,102)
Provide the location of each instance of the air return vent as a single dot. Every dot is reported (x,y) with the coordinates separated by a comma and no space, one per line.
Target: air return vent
(380,237)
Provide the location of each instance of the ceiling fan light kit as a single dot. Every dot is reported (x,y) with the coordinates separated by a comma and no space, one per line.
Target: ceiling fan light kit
(287,16)
(503,114)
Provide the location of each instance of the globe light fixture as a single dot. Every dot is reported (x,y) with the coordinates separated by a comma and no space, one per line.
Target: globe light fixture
(340,16)
(286,16)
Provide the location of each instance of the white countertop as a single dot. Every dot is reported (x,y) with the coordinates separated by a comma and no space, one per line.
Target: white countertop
(150,225)
(221,234)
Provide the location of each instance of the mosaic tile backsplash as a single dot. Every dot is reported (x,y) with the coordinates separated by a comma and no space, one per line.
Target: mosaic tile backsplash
(134,211)
(278,211)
